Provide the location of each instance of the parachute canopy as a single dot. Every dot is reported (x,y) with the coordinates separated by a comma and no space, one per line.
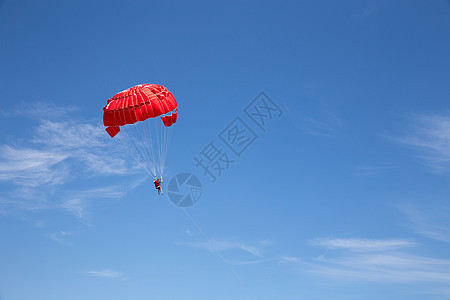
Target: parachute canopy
(139,103)
(137,112)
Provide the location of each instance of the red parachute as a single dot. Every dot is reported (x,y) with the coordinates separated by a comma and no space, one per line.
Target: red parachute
(137,111)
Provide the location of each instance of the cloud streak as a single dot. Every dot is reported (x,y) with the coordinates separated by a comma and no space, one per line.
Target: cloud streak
(384,268)
(32,167)
(216,245)
(376,261)
(429,136)
(77,203)
(60,237)
(35,174)
(361,245)
(107,273)
(431,222)
(318,121)
(370,170)
(59,149)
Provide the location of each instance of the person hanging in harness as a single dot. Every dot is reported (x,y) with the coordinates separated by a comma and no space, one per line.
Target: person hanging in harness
(158,186)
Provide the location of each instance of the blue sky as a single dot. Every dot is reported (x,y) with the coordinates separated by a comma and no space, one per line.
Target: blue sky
(344,193)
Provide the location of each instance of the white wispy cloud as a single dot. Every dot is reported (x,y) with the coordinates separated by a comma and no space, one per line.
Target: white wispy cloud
(321,126)
(361,245)
(39,110)
(370,170)
(75,206)
(68,134)
(84,143)
(370,9)
(77,203)
(429,136)
(216,245)
(26,198)
(44,110)
(251,262)
(432,222)
(60,237)
(32,167)
(319,120)
(107,273)
(113,191)
(395,267)
(36,173)
(57,153)
(377,261)
(289,259)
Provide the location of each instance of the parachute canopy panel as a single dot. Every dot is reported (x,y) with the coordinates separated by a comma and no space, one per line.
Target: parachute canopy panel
(139,103)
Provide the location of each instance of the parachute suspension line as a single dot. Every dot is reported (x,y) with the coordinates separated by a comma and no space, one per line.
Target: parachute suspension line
(147,143)
(138,140)
(166,132)
(166,145)
(136,154)
(157,145)
(142,149)
(148,134)
(161,141)
(161,131)
(144,141)
(135,149)
(161,146)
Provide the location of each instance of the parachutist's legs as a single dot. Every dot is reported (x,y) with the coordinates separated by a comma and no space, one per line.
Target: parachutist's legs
(160,192)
